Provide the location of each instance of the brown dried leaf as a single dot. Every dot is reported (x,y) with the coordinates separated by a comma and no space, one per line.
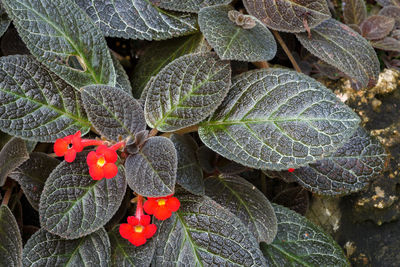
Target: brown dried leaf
(377,27)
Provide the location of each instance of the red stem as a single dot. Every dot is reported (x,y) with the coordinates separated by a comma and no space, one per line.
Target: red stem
(117,146)
(139,207)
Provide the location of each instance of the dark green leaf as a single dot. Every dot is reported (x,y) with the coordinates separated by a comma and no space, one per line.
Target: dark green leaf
(278,119)
(207,159)
(12,155)
(122,79)
(190,5)
(387,44)
(159,54)
(4,20)
(60,35)
(189,174)
(300,243)
(73,205)
(245,201)
(32,175)
(354,11)
(114,113)
(46,249)
(389,2)
(391,12)
(187,91)
(377,27)
(348,170)
(289,15)
(10,239)
(36,104)
(202,233)
(340,46)
(152,171)
(124,254)
(236,42)
(137,19)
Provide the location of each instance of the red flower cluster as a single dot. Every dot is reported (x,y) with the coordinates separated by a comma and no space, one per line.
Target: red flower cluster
(138,229)
(291,170)
(101,162)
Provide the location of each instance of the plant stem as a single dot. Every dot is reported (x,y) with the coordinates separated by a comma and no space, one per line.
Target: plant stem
(189,129)
(287,51)
(153,132)
(261,64)
(7,195)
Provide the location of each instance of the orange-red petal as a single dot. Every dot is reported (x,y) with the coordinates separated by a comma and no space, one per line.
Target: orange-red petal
(150,206)
(132,220)
(126,230)
(150,230)
(137,239)
(162,213)
(96,172)
(60,147)
(91,158)
(76,142)
(70,155)
(173,204)
(110,170)
(145,220)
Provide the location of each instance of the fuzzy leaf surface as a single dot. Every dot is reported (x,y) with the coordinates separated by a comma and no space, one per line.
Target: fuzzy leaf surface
(387,44)
(288,15)
(391,12)
(113,112)
(124,254)
(187,91)
(4,20)
(10,239)
(36,104)
(137,19)
(46,249)
(389,2)
(73,205)
(232,42)
(159,54)
(278,119)
(152,171)
(377,27)
(301,243)
(189,173)
(245,201)
(12,155)
(202,233)
(32,175)
(190,5)
(122,80)
(55,40)
(354,11)
(340,46)
(348,170)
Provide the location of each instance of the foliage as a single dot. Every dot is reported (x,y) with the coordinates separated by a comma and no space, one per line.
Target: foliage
(196,123)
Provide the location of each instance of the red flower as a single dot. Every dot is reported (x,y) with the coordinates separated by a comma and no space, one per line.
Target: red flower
(137,231)
(102,163)
(161,207)
(69,146)
(291,170)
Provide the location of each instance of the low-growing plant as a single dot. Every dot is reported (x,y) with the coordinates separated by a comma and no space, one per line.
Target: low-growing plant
(183,141)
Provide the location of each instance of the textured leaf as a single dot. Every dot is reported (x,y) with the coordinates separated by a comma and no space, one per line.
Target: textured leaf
(190,5)
(159,54)
(391,12)
(349,169)
(10,239)
(207,159)
(73,205)
(114,113)
(245,201)
(124,254)
(377,27)
(387,44)
(46,249)
(152,171)
(35,104)
(233,42)
(4,20)
(202,233)
(32,175)
(187,91)
(137,19)
(294,197)
(278,119)
(340,46)
(389,2)
(354,11)
(122,79)
(300,243)
(189,174)
(60,35)
(12,155)
(289,15)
